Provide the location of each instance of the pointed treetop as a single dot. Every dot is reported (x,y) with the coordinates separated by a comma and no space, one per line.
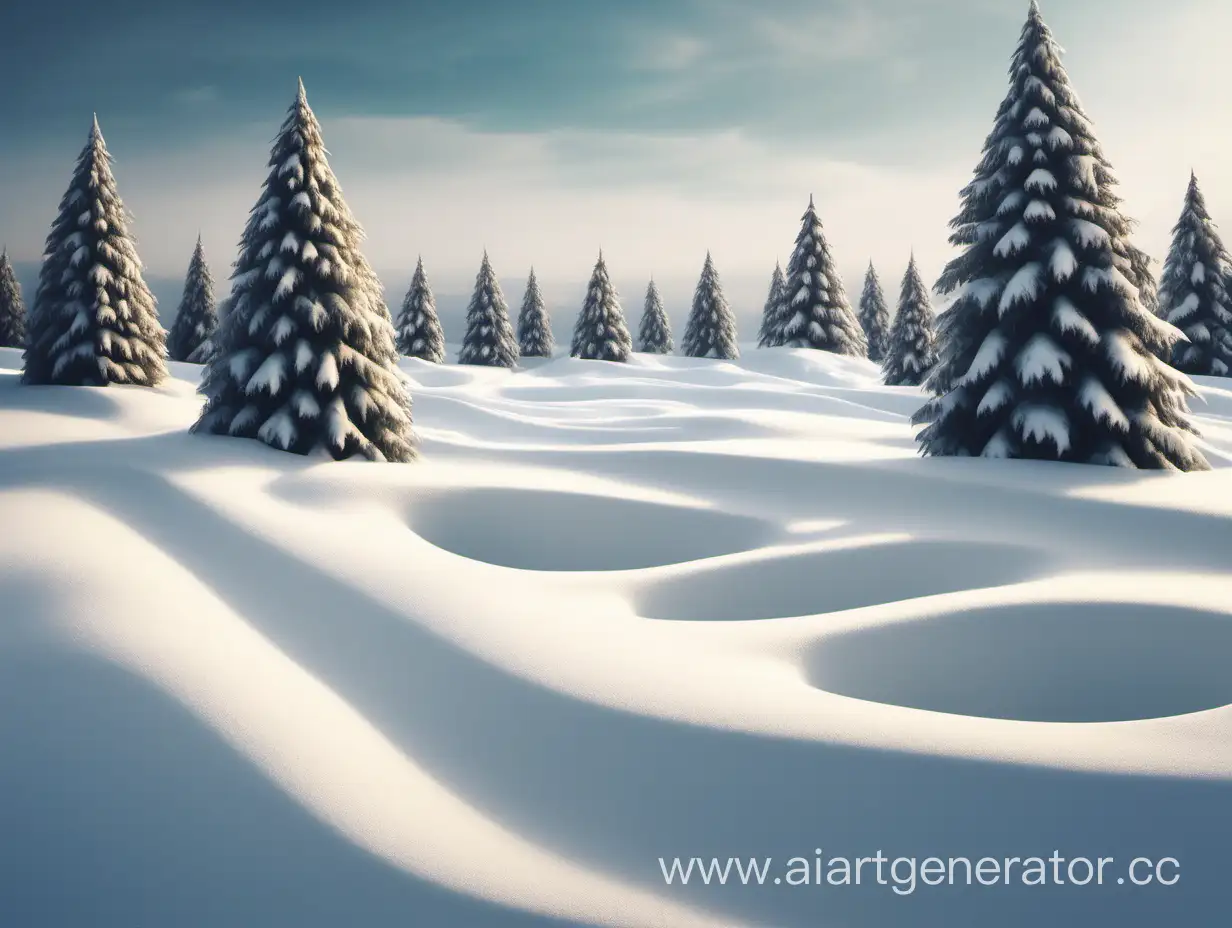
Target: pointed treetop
(301,95)
(95,131)
(810,201)
(1033,11)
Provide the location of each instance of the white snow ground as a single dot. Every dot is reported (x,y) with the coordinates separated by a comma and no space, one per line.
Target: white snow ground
(616,613)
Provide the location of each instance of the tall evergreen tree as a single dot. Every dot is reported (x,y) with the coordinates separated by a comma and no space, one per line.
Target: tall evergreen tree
(197,317)
(93,320)
(912,341)
(305,359)
(767,335)
(1046,350)
(489,337)
(600,333)
(418,326)
(654,334)
(711,329)
(12,307)
(875,316)
(1194,293)
(534,324)
(814,312)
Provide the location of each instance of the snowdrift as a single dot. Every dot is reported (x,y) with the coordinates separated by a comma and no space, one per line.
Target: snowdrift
(617,613)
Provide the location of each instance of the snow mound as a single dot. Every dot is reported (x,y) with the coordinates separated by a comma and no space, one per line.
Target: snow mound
(1060,662)
(831,576)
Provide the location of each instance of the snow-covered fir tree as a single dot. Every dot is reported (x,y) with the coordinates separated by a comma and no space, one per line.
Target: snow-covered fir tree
(912,340)
(534,324)
(1193,294)
(600,333)
(418,326)
(767,335)
(711,329)
(204,352)
(814,312)
(305,359)
(489,339)
(93,320)
(12,307)
(875,316)
(654,334)
(197,317)
(1046,351)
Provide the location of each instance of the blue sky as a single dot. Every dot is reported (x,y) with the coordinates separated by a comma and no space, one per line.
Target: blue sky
(545,129)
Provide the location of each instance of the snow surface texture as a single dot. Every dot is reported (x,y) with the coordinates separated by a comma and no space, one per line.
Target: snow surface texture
(489,340)
(912,342)
(1047,350)
(1194,295)
(654,334)
(419,327)
(197,317)
(535,339)
(874,316)
(600,333)
(93,320)
(767,335)
(305,358)
(711,329)
(616,612)
(813,311)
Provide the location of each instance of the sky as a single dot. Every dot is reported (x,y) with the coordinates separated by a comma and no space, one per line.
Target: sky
(544,130)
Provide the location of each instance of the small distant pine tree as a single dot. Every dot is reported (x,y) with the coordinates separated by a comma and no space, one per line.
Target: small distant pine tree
(654,334)
(711,329)
(912,341)
(768,335)
(1194,294)
(600,333)
(534,324)
(197,317)
(12,307)
(1046,351)
(305,360)
(418,326)
(489,337)
(814,312)
(93,321)
(875,316)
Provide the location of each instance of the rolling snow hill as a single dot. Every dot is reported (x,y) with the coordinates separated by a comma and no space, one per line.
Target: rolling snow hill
(616,613)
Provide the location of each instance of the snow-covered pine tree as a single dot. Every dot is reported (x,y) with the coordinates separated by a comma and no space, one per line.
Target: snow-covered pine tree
(1193,295)
(305,359)
(535,338)
(767,335)
(875,316)
(600,333)
(1046,350)
(912,341)
(12,307)
(489,339)
(654,334)
(814,312)
(197,317)
(418,326)
(93,320)
(711,329)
